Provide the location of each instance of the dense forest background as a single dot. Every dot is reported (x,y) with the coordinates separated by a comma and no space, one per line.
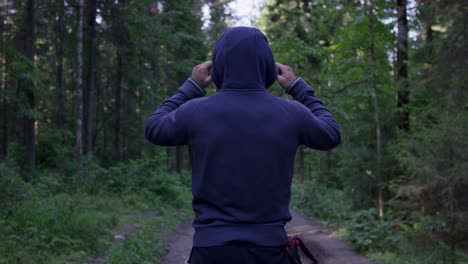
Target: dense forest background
(79,78)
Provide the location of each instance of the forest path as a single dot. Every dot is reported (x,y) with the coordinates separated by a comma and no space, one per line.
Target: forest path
(324,246)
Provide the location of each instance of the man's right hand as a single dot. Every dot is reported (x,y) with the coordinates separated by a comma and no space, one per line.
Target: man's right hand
(201,74)
(285,75)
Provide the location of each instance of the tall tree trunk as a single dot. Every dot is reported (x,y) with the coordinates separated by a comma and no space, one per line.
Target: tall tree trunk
(428,18)
(121,36)
(154,75)
(60,80)
(29,121)
(4,109)
(402,71)
(118,108)
(14,130)
(91,77)
(429,38)
(378,135)
(98,111)
(79,87)
(4,102)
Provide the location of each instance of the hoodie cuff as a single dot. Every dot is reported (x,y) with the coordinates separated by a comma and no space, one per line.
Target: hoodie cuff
(191,89)
(298,88)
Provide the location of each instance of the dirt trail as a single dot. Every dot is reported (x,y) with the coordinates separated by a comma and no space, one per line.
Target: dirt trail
(326,248)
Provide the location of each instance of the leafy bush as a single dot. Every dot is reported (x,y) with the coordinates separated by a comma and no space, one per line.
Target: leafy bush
(147,178)
(93,178)
(54,152)
(12,185)
(366,231)
(317,200)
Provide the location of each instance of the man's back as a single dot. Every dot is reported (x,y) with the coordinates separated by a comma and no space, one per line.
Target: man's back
(243,141)
(242,162)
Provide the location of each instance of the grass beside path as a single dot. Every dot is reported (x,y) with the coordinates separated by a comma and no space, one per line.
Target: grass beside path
(145,244)
(115,215)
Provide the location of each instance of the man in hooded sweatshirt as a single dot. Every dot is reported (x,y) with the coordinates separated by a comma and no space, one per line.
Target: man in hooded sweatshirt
(242,143)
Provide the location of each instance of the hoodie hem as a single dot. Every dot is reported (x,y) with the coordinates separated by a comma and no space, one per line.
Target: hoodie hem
(257,234)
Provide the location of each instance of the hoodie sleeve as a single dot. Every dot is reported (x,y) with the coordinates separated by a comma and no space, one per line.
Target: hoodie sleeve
(168,125)
(318,127)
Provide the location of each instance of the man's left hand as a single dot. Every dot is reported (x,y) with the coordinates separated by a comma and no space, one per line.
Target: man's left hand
(201,74)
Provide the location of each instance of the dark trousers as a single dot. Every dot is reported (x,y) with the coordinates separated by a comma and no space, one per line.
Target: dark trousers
(238,254)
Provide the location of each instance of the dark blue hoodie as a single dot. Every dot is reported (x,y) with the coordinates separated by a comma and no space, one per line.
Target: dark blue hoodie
(242,141)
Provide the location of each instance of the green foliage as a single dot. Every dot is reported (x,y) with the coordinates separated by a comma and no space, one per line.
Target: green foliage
(139,249)
(406,251)
(319,201)
(401,237)
(57,225)
(54,151)
(146,245)
(52,219)
(146,178)
(12,185)
(366,231)
(291,50)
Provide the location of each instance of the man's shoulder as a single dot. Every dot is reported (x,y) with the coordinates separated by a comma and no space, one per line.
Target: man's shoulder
(285,101)
(194,103)
(290,105)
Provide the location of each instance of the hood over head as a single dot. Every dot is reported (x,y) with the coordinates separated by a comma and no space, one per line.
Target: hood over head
(242,59)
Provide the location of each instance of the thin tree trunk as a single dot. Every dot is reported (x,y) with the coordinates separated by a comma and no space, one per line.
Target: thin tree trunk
(429,34)
(4,101)
(79,87)
(153,10)
(154,75)
(98,111)
(59,44)
(29,121)
(378,135)
(118,109)
(119,92)
(4,110)
(15,132)
(60,80)
(91,77)
(402,71)
(429,38)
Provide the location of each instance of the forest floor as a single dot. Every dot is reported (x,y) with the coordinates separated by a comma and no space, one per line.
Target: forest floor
(326,248)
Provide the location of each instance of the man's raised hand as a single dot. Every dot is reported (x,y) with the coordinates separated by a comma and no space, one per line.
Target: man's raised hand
(201,74)
(285,75)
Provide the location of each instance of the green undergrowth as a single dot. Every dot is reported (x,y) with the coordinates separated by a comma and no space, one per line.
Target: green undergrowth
(401,237)
(51,218)
(146,246)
